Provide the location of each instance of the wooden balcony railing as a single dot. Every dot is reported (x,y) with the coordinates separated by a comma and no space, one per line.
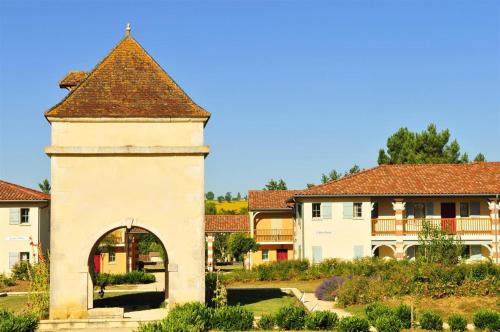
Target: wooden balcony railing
(274,235)
(454,226)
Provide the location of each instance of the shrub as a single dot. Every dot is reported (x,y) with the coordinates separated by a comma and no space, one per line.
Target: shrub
(189,317)
(210,286)
(17,323)
(486,319)
(388,322)
(21,270)
(134,277)
(457,322)
(232,319)
(328,290)
(431,321)
(291,318)
(266,322)
(353,324)
(321,320)
(6,281)
(375,310)
(356,290)
(403,313)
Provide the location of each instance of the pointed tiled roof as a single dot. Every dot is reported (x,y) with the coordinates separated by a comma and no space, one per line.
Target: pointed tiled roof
(14,192)
(127,83)
(423,179)
(72,79)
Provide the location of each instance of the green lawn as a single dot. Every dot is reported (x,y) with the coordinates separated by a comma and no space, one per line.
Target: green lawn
(15,303)
(308,286)
(229,267)
(261,301)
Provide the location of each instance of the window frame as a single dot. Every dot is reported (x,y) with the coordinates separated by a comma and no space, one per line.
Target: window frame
(467,206)
(25,254)
(424,214)
(355,206)
(265,252)
(113,261)
(24,216)
(316,213)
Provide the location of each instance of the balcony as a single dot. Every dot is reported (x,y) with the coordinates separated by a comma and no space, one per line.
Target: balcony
(453,226)
(273,235)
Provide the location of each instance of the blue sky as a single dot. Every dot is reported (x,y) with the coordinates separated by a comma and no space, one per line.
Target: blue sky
(295,88)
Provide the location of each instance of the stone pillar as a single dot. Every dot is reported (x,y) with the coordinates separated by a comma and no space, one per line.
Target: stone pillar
(399,207)
(494,206)
(210,252)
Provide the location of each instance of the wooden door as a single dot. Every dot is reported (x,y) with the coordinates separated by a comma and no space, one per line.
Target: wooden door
(448,215)
(282,254)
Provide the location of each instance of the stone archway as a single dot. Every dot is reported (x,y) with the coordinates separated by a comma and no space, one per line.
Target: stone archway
(384,251)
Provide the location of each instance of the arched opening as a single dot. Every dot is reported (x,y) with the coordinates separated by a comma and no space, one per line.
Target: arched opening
(411,252)
(477,252)
(128,268)
(383,251)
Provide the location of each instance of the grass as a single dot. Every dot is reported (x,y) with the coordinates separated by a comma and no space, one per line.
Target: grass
(16,303)
(229,267)
(466,305)
(233,205)
(308,286)
(261,301)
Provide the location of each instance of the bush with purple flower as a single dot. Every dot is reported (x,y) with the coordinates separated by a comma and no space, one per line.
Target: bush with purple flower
(328,289)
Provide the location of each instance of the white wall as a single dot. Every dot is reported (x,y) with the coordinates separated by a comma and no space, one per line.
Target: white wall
(337,237)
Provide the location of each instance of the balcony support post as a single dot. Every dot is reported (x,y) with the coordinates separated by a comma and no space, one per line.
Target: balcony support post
(399,206)
(494,206)
(210,252)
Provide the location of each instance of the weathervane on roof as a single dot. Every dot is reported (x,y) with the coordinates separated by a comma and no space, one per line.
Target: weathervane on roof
(128,29)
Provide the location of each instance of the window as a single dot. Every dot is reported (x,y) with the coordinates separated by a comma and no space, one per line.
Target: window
(316,211)
(357,210)
(419,210)
(375,210)
(111,257)
(464,210)
(25,256)
(25,216)
(265,254)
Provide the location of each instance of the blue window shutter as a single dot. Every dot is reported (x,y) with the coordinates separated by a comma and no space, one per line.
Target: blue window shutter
(409,209)
(317,254)
(326,209)
(15,216)
(347,210)
(13,259)
(429,209)
(358,251)
(474,209)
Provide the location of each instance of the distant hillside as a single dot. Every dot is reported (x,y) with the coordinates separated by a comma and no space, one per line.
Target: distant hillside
(233,205)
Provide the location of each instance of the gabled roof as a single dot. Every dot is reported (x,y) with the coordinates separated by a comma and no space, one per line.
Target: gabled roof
(14,192)
(127,83)
(221,223)
(270,199)
(423,179)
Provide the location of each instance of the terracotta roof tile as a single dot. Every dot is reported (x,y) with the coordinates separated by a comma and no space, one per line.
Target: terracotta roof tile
(227,223)
(72,79)
(269,199)
(14,192)
(127,83)
(423,179)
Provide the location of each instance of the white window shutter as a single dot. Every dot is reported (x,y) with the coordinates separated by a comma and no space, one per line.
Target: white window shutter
(15,216)
(359,251)
(347,210)
(13,259)
(326,209)
(317,254)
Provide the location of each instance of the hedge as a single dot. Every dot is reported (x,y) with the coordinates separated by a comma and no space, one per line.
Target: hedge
(9,322)
(134,277)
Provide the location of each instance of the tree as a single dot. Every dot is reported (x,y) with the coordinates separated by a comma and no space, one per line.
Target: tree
(238,197)
(210,196)
(45,186)
(210,208)
(310,185)
(435,245)
(240,244)
(479,157)
(228,197)
(220,199)
(220,246)
(334,175)
(276,185)
(426,147)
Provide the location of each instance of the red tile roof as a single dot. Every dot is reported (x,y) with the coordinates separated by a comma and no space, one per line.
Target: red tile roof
(220,223)
(127,83)
(14,192)
(72,79)
(424,179)
(269,199)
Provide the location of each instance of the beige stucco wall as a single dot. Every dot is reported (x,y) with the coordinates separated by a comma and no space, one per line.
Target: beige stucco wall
(16,238)
(118,266)
(280,220)
(256,257)
(337,236)
(93,194)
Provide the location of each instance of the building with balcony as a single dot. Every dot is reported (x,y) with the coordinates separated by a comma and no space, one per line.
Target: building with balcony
(381,211)
(271,224)
(24,225)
